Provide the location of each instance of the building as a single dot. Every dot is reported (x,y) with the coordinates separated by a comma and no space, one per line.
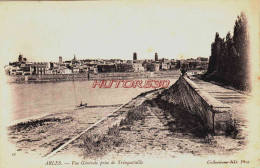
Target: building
(75,62)
(156,57)
(124,67)
(21,58)
(19,72)
(138,67)
(106,68)
(146,64)
(26,70)
(68,63)
(13,70)
(134,56)
(60,59)
(40,68)
(204,63)
(155,67)
(84,69)
(129,61)
(64,70)
(93,70)
(173,64)
(164,66)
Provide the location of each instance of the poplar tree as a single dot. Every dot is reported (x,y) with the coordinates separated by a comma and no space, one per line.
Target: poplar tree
(229,61)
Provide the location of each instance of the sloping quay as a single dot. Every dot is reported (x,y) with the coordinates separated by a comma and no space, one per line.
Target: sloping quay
(195,100)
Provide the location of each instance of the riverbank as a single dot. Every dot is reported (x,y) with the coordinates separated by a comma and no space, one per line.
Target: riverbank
(149,126)
(40,136)
(146,126)
(98,76)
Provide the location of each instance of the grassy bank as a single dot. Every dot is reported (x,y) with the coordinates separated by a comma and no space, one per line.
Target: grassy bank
(97,145)
(41,136)
(156,128)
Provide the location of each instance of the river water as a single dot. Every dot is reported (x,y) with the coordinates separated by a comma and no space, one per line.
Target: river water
(32,99)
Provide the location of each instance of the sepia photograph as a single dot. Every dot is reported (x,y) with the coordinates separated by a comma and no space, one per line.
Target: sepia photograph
(142,84)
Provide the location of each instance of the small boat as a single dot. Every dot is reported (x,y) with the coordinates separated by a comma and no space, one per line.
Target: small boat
(82,105)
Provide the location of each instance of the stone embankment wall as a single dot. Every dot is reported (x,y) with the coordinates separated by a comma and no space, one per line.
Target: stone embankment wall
(98,76)
(195,100)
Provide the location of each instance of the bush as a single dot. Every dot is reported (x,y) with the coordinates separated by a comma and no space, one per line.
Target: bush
(232,130)
(97,145)
(134,115)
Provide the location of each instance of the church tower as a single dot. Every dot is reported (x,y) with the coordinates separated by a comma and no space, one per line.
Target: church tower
(134,56)
(156,57)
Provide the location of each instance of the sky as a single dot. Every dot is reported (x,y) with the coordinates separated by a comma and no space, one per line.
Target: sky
(43,31)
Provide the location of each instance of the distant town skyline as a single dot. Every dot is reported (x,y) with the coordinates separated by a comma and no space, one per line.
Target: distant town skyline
(113,30)
(74,57)
(86,66)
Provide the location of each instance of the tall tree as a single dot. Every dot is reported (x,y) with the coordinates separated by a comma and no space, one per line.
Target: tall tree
(214,58)
(229,45)
(229,60)
(241,41)
(223,56)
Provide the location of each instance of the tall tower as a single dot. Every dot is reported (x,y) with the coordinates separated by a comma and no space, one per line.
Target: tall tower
(60,59)
(134,56)
(20,58)
(156,57)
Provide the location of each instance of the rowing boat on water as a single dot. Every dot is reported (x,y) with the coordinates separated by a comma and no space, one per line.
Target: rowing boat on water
(81,106)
